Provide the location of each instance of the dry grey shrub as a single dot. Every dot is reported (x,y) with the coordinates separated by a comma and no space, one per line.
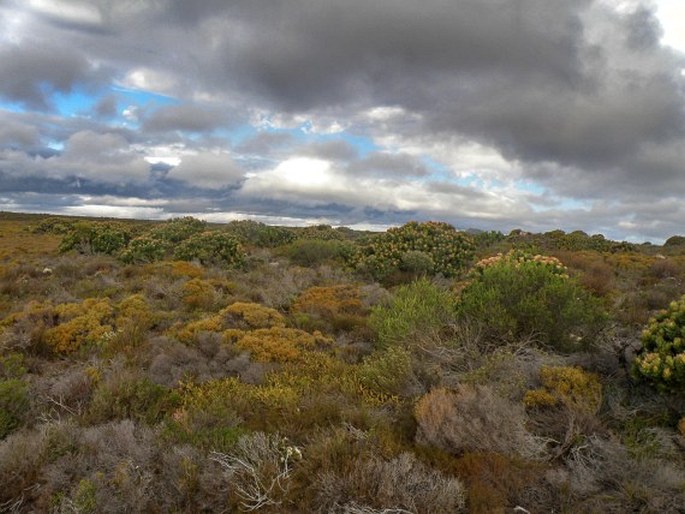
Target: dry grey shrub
(475,418)
(400,485)
(171,362)
(603,477)
(259,469)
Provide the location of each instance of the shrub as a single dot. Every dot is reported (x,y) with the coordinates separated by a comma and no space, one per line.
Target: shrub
(128,396)
(96,237)
(213,247)
(449,250)
(474,418)
(570,386)
(175,230)
(259,469)
(418,311)
(334,308)
(279,344)
(521,295)
(145,249)
(388,371)
(14,403)
(259,234)
(315,252)
(321,232)
(661,360)
(198,294)
(78,324)
(252,315)
(675,241)
(401,484)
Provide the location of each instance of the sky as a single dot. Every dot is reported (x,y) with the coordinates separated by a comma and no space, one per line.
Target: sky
(487,114)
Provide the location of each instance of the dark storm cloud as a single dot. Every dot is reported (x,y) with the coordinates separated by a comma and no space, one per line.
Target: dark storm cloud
(331,150)
(576,97)
(389,165)
(264,143)
(186,117)
(31,73)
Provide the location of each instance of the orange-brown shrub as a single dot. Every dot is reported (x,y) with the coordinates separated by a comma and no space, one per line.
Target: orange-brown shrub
(198,294)
(279,344)
(251,315)
(335,308)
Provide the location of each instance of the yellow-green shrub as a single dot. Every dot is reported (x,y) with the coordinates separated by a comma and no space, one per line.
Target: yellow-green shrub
(198,294)
(252,315)
(88,322)
(279,344)
(569,386)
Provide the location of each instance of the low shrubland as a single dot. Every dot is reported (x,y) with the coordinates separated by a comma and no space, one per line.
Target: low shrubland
(180,366)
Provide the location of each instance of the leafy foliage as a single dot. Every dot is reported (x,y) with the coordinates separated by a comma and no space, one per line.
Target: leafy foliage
(417,311)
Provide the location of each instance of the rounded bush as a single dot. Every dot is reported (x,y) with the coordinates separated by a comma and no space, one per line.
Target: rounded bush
(661,361)
(212,247)
(448,249)
(519,296)
(144,249)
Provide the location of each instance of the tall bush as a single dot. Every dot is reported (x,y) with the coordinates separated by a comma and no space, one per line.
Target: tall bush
(519,295)
(446,251)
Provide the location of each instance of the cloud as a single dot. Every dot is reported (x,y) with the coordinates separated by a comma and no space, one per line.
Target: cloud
(207,170)
(308,108)
(187,118)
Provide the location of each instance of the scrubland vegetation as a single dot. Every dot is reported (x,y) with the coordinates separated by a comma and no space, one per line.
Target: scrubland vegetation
(185,367)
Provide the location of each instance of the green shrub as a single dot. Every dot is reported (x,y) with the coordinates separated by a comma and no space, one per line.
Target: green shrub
(145,249)
(387,371)
(449,250)
(321,232)
(418,310)
(314,252)
(178,229)
(518,296)
(259,234)
(212,247)
(661,361)
(96,237)
(14,402)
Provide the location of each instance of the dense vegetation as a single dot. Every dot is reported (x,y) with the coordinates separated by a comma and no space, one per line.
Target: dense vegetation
(181,366)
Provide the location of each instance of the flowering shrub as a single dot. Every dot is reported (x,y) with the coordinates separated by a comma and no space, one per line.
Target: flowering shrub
(449,250)
(661,361)
(518,258)
(520,296)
